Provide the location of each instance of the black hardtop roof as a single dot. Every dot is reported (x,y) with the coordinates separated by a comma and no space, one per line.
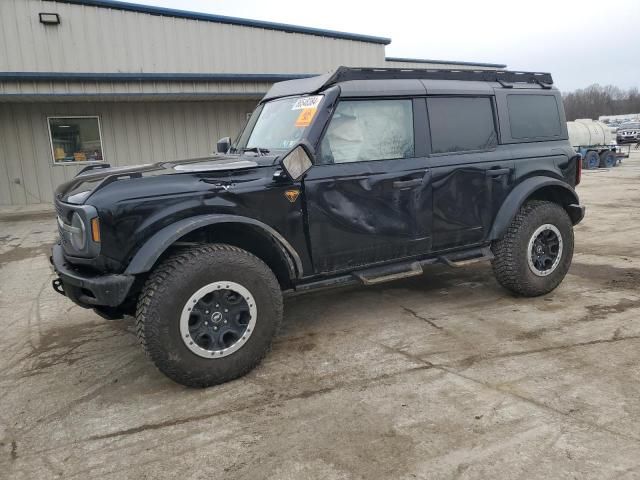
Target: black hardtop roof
(505,78)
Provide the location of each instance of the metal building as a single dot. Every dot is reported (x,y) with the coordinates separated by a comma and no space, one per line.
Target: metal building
(86,81)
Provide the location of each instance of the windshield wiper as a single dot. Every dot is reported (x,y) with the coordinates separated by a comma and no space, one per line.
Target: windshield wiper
(258,150)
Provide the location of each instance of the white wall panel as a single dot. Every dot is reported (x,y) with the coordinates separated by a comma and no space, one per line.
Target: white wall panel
(436,66)
(132,132)
(95,39)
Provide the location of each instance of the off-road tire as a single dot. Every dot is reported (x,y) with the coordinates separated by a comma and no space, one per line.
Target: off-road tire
(510,264)
(169,287)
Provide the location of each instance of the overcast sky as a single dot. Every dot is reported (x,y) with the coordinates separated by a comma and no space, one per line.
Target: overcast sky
(579,42)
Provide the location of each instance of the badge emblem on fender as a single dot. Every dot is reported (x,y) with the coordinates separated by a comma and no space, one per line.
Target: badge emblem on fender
(292,195)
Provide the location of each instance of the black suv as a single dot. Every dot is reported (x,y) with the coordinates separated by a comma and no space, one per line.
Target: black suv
(356,177)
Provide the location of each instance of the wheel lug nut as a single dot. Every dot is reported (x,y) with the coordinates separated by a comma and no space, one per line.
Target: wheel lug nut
(215,328)
(226,310)
(206,311)
(225,321)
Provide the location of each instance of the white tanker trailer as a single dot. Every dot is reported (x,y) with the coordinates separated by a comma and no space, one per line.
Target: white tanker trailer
(594,141)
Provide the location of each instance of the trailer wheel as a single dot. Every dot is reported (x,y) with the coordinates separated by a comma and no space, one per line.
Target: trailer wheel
(607,159)
(591,160)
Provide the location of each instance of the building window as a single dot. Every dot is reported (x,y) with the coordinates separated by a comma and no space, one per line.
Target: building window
(75,140)
(461,124)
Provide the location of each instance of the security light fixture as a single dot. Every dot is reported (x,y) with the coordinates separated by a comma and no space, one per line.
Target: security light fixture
(49,18)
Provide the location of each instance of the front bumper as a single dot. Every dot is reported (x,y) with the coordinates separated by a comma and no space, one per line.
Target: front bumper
(622,140)
(87,289)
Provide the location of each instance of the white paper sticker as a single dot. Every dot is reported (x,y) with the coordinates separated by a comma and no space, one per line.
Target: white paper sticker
(307,102)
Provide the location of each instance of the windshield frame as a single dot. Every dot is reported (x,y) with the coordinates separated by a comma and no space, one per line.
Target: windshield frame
(241,143)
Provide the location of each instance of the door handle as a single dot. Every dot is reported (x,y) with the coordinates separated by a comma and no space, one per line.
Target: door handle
(407,183)
(496,172)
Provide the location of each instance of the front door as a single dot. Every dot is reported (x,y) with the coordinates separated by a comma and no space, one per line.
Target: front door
(369,199)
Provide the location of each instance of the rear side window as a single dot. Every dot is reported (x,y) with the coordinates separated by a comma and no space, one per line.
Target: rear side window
(460,124)
(533,116)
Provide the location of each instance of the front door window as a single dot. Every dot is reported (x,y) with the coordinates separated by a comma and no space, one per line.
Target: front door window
(365,130)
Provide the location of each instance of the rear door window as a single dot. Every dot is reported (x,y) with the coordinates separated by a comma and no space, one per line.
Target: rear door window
(533,116)
(461,124)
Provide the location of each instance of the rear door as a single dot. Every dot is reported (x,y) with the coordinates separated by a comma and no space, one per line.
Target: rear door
(471,173)
(369,198)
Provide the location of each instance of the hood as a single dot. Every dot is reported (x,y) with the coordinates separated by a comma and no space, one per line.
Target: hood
(89,180)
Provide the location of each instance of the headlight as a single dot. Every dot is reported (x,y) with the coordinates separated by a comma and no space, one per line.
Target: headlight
(79,233)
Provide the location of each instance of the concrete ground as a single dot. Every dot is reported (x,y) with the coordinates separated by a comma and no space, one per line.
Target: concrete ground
(442,376)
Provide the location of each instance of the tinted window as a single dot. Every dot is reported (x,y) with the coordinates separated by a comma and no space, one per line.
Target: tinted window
(369,130)
(533,116)
(461,124)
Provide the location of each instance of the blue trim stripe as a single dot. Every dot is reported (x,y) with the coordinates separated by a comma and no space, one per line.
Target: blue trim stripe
(169,95)
(207,17)
(150,77)
(444,62)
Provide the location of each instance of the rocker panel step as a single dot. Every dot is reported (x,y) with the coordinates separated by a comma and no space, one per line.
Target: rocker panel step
(373,276)
(462,259)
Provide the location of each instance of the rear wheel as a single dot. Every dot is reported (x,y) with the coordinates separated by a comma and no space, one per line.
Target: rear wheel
(208,314)
(607,159)
(535,253)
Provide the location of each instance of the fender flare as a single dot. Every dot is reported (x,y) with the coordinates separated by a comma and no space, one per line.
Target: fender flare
(522,192)
(146,256)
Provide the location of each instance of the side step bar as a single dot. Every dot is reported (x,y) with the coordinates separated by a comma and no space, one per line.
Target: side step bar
(387,273)
(377,275)
(462,259)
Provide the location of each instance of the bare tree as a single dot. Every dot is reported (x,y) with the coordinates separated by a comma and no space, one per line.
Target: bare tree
(593,101)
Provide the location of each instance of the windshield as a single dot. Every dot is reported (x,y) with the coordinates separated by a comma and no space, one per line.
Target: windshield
(278,124)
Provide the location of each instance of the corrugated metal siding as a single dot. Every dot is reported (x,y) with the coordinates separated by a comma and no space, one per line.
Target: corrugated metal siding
(436,66)
(92,39)
(132,132)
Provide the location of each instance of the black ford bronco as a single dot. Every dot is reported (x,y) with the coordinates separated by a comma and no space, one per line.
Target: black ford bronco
(356,177)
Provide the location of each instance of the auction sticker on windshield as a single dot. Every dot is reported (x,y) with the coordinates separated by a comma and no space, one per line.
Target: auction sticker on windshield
(307,102)
(305,117)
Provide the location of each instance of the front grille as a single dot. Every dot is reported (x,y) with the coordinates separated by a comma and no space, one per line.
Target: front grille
(64,210)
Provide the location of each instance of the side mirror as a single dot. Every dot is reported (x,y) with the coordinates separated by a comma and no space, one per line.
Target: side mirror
(223,145)
(297,162)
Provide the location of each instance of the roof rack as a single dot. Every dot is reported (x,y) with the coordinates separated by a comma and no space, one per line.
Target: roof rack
(505,77)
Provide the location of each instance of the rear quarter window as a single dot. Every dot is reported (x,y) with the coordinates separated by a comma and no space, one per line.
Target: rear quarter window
(461,124)
(533,116)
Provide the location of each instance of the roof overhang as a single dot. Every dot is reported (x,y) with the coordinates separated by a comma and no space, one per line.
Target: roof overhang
(148,77)
(101,87)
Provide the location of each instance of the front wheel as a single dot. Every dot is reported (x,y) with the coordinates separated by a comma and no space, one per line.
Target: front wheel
(207,314)
(535,253)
